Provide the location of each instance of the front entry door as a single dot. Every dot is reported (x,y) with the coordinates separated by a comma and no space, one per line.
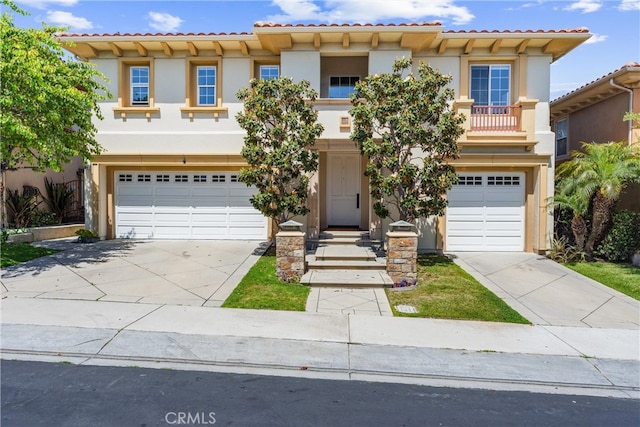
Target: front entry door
(343,190)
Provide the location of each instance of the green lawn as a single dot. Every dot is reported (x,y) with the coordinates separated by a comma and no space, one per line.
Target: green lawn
(621,277)
(260,289)
(15,253)
(445,291)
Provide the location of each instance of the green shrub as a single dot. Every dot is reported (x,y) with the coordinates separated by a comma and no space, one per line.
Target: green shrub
(59,198)
(20,206)
(563,252)
(41,218)
(623,239)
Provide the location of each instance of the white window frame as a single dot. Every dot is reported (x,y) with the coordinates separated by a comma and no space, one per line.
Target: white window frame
(133,85)
(270,68)
(564,135)
(490,67)
(206,86)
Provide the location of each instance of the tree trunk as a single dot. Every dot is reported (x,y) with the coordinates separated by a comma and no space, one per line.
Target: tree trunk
(579,229)
(602,207)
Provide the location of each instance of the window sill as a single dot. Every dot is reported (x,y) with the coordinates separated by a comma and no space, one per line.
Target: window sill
(147,111)
(206,110)
(332,101)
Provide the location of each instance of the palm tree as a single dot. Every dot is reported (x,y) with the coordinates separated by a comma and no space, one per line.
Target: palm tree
(567,198)
(599,174)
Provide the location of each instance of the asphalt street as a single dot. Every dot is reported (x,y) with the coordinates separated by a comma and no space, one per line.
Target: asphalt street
(63,394)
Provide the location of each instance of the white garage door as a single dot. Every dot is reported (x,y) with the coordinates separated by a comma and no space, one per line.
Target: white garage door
(486,213)
(185,205)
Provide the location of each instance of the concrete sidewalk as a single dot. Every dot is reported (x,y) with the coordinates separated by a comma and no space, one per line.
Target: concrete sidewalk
(591,361)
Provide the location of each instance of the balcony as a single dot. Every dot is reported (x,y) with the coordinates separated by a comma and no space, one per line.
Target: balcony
(498,126)
(486,118)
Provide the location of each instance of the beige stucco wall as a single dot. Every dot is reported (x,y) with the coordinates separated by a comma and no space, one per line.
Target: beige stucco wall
(16,179)
(302,65)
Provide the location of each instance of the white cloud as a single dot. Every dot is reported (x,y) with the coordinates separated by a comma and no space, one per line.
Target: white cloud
(164,21)
(596,38)
(628,5)
(585,6)
(43,4)
(361,11)
(67,19)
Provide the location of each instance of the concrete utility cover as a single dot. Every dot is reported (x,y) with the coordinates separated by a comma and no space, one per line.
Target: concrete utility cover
(406,308)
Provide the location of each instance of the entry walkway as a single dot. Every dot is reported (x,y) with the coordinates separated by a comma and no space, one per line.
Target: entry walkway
(343,300)
(548,293)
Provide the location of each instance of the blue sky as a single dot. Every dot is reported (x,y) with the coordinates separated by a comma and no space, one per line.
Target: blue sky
(615,24)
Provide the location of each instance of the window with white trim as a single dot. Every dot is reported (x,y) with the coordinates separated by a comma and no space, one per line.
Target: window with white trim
(491,84)
(139,84)
(206,84)
(562,144)
(268,72)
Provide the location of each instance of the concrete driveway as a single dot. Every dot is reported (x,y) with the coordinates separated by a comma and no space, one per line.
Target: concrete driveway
(196,273)
(547,293)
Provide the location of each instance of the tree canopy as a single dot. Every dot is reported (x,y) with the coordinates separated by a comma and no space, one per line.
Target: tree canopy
(281,128)
(406,127)
(47,99)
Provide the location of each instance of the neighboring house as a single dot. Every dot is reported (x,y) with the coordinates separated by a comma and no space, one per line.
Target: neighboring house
(26,178)
(172,144)
(594,113)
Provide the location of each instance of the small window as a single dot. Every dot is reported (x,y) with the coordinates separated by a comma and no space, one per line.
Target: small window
(218,178)
(200,178)
(125,177)
(181,178)
(342,87)
(234,178)
(268,72)
(469,181)
(206,77)
(562,145)
(503,180)
(144,178)
(139,76)
(162,178)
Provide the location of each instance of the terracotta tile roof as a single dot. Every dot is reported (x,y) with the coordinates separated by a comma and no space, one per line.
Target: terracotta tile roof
(244,33)
(261,24)
(407,24)
(569,30)
(605,77)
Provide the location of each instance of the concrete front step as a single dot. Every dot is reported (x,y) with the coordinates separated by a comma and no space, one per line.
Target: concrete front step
(344,253)
(347,265)
(347,278)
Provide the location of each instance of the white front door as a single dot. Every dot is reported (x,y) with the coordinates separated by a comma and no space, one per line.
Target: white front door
(343,190)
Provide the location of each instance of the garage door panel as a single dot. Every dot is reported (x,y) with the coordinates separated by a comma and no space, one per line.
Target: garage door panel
(186,205)
(124,191)
(486,212)
(137,232)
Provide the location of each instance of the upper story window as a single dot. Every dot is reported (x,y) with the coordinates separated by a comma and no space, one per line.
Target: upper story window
(206,82)
(342,86)
(490,84)
(139,85)
(268,72)
(562,143)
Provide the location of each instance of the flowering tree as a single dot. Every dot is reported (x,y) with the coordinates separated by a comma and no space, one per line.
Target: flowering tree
(281,130)
(407,129)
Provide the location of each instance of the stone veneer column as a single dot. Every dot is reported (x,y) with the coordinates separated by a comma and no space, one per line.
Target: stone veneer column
(290,255)
(402,256)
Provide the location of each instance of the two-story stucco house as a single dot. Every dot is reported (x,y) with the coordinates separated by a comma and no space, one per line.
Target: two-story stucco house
(172,145)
